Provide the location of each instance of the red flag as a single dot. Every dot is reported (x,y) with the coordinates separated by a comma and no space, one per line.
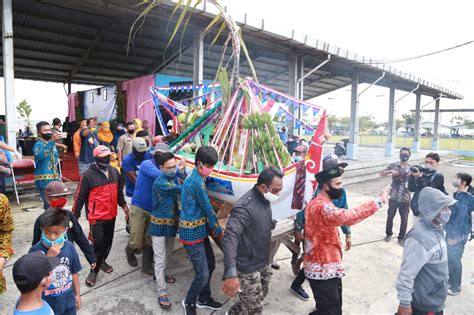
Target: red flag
(268,106)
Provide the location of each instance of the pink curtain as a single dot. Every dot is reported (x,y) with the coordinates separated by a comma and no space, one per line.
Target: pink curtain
(139,101)
(71,106)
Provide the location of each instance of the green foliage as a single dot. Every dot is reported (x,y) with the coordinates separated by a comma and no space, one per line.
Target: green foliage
(225,86)
(366,122)
(24,110)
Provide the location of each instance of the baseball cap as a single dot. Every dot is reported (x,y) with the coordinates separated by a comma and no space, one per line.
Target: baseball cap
(101,151)
(333,162)
(56,188)
(140,144)
(31,268)
(300,148)
(157,139)
(161,147)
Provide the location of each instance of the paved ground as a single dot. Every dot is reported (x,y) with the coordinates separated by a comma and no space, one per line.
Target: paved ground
(371,265)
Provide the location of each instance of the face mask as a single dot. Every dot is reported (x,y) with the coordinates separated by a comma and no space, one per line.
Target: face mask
(102,162)
(404,157)
(443,217)
(169,173)
(48,243)
(429,168)
(131,131)
(334,193)
(58,203)
(205,171)
(298,158)
(147,144)
(456,182)
(138,155)
(272,198)
(46,136)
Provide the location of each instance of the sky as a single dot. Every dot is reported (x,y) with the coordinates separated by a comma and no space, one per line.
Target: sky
(376,29)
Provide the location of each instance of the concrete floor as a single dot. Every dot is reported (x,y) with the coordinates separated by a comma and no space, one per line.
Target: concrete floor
(372,266)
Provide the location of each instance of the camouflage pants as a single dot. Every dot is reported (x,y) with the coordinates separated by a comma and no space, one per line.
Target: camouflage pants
(254,287)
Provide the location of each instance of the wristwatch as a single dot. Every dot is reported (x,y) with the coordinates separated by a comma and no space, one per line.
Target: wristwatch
(379,202)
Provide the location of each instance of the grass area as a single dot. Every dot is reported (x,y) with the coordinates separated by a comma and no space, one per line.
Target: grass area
(468,158)
(444,143)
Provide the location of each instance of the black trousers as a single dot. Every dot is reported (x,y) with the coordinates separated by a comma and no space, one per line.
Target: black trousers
(300,278)
(328,296)
(404,210)
(420,312)
(102,236)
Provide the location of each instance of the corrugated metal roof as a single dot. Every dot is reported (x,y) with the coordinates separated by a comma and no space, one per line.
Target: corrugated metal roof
(51,37)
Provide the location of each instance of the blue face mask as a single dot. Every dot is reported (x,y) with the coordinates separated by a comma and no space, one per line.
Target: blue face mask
(48,243)
(298,158)
(169,173)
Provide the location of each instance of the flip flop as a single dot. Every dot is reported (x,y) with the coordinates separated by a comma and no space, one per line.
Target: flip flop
(91,278)
(170,279)
(105,267)
(164,302)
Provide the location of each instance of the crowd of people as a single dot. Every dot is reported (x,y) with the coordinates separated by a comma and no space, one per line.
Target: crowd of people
(163,201)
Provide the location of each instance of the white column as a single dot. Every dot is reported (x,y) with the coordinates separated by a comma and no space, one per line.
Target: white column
(392,124)
(353,145)
(8,73)
(292,87)
(198,61)
(435,141)
(416,136)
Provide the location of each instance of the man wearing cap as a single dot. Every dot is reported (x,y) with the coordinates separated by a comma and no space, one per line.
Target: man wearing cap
(131,163)
(100,189)
(142,205)
(125,142)
(323,254)
(31,274)
(56,193)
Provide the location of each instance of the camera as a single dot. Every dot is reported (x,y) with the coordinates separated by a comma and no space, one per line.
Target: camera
(420,168)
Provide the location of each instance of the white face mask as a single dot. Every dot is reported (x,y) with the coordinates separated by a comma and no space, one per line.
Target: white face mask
(456,182)
(272,198)
(443,217)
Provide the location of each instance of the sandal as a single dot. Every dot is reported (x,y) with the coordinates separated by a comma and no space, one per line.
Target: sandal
(105,267)
(91,278)
(170,279)
(164,302)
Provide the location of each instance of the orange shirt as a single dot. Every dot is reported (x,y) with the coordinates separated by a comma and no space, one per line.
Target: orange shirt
(76,139)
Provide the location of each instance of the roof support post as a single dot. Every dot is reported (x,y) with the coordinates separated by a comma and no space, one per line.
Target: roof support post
(292,87)
(8,72)
(300,87)
(353,145)
(392,124)
(416,135)
(435,140)
(198,61)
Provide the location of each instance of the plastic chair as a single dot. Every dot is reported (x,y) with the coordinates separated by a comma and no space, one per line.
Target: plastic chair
(24,168)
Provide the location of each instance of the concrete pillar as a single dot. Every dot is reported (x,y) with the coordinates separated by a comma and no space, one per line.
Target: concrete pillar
(69,86)
(392,124)
(300,88)
(292,87)
(8,73)
(198,61)
(435,140)
(416,136)
(353,145)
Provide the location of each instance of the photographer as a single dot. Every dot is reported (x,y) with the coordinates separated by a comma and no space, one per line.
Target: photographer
(425,175)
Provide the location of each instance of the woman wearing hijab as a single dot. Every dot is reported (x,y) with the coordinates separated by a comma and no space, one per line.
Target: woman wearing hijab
(105,135)
(138,125)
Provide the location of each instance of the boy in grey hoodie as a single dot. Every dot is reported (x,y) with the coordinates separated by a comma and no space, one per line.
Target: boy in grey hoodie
(422,283)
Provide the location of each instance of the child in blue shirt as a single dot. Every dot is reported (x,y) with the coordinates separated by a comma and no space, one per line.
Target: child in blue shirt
(63,294)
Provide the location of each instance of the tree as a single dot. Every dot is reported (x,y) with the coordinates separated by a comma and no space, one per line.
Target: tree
(24,110)
(409,119)
(366,122)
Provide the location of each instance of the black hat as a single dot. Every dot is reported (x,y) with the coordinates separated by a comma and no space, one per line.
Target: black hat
(328,174)
(333,162)
(30,269)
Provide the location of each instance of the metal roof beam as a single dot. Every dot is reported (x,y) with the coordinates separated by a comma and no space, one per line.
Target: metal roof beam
(89,49)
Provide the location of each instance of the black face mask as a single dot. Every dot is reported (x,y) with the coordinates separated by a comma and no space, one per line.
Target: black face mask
(46,136)
(102,162)
(334,193)
(404,157)
(138,155)
(131,131)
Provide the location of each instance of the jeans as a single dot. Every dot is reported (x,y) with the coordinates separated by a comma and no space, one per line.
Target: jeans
(204,263)
(163,249)
(43,198)
(328,296)
(454,263)
(83,167)
(404,210)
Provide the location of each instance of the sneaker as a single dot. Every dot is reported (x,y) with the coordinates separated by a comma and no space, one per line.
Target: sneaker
(387,238)
(401,242)
(300,292)
(275,266)
(189,309)
(131,259)
(453,291)
(210,304)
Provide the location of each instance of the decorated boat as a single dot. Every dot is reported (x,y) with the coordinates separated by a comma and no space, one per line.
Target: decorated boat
(242,130)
